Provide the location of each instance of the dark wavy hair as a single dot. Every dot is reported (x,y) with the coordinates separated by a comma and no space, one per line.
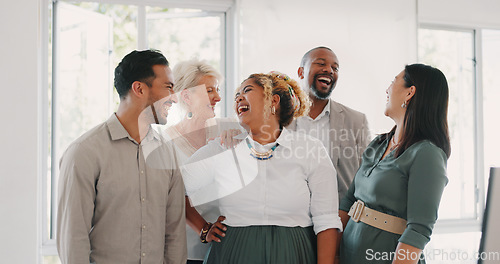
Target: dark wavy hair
(137,66)
(427,111)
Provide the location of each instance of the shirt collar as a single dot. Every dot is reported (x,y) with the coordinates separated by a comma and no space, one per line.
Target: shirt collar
(117,131)
(284,139)
(325,112)
(153,133)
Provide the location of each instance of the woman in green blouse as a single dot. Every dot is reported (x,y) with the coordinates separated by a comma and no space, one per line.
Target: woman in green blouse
(390,209)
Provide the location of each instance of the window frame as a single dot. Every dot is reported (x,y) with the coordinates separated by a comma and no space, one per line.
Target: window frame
(229,64)
(469,224)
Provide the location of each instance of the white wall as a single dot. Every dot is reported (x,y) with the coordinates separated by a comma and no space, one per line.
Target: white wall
(477,13)
(19,221)
(372,39)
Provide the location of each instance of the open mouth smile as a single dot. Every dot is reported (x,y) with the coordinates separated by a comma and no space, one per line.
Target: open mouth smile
(242,109)
(324,79)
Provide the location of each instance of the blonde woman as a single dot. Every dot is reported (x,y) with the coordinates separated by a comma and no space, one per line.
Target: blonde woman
(197,86)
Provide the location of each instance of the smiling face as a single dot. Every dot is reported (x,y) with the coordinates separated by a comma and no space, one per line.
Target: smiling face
(209,96)
(249,104)
(202,98)
(161,93)
(320,73)
(397,94)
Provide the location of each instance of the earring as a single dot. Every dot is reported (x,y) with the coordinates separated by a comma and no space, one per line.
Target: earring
(189,115)
(273,110)
(404,105)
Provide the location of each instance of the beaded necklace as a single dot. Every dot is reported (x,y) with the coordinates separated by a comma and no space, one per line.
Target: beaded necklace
(258,155)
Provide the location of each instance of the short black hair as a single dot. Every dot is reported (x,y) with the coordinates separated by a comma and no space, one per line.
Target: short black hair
(137,66)
(306,56)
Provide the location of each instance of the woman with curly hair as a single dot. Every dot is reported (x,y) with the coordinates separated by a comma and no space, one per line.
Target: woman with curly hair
(287,213)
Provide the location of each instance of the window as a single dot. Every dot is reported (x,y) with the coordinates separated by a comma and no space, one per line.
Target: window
(469,58)
(453,53)
(86,40)
(491,107)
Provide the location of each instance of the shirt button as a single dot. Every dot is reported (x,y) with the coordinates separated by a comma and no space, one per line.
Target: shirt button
(142,172)
(143,226)
(143,254)
(143,199)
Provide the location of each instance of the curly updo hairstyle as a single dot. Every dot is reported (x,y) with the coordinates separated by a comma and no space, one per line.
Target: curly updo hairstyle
(287,88)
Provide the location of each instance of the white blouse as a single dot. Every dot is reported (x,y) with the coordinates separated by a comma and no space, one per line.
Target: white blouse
(296,187)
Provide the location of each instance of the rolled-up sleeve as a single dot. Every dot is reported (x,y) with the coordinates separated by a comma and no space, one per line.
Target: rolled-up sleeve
(426,182)
(322,182)
(78,173)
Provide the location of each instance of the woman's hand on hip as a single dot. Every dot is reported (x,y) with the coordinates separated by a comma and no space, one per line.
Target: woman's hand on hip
(217,231)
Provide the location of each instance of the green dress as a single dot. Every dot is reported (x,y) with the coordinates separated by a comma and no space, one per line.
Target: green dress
(264,245)
(409,186)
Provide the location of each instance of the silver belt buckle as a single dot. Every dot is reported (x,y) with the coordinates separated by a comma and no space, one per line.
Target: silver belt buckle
(359,206)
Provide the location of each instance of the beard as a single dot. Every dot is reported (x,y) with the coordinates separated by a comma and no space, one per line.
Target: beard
(159,110)
(320,94)
(159,115)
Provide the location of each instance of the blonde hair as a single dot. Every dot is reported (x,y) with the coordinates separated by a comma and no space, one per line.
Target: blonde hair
(280,84)
(187,74)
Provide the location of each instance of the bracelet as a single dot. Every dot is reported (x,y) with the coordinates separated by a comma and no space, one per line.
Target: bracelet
(204,232)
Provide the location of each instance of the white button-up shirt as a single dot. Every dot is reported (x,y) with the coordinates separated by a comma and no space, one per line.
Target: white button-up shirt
(318,127)
(296,187)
